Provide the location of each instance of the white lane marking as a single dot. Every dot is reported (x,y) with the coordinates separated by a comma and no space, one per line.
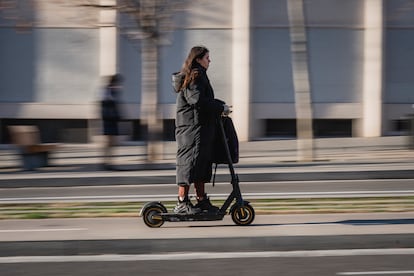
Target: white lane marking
(339,193)
(334,182)
(377,272)
(161,173)
(212,195)
(82,198)
(207,255)
(42,230)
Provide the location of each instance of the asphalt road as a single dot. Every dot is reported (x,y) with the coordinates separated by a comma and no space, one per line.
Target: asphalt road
(329,244)
(334,244)
(269,189)
(320,263)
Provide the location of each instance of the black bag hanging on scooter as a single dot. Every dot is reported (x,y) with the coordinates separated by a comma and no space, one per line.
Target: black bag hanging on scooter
(219,154)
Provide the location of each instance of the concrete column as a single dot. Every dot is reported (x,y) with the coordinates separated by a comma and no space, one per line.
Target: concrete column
(107,55)
(241,69)
(108,39)
(373,69)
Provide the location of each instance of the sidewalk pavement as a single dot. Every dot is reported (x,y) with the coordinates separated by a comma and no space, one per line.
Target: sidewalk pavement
(334,158)
(52,237)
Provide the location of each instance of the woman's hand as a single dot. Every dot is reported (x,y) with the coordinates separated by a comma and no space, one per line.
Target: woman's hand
(227,110)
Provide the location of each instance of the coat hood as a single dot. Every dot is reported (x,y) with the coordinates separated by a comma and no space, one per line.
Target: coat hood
(177,81)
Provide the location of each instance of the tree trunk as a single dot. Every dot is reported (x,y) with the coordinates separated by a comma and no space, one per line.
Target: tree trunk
(149,101)
(301,84)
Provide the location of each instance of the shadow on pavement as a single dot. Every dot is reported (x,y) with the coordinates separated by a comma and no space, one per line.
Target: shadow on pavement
(377,221)
(355,222)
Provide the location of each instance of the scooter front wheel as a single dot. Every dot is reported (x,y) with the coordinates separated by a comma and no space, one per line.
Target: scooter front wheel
(152,215)
(242,215)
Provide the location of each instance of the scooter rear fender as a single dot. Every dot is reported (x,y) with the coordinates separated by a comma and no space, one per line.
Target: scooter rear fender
(152,204)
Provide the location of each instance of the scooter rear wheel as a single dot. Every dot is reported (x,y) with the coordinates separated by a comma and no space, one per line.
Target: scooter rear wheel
(243,215)
(152,216)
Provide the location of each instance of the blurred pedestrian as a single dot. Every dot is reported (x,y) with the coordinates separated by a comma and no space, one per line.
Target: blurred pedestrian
(197,112)
(111,116)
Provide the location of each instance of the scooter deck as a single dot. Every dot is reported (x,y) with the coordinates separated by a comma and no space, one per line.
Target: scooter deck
(204,216)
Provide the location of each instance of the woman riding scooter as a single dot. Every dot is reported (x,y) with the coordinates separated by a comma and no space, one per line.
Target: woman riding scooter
(197,110)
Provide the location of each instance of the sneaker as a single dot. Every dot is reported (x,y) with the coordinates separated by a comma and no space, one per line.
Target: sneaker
(206,206)
(185,207)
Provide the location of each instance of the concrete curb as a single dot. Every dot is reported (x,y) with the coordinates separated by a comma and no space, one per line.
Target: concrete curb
(105,179)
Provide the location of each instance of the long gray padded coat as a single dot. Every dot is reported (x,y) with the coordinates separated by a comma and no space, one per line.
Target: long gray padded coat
(195,123)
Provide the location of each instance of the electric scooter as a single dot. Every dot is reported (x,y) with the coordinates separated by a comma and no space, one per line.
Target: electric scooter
(242,213)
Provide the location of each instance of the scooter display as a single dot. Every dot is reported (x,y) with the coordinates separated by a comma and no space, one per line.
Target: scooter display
(242,213)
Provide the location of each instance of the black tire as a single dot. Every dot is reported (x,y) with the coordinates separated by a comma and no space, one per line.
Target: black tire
(151,216)
(243,215)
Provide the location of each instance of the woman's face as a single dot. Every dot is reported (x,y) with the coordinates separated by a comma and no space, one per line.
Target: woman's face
(204,61)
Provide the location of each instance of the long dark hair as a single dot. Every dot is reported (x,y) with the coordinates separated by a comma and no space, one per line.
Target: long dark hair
(191,61)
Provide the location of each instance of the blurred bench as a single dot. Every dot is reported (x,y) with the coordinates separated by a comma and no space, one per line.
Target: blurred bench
(34,154)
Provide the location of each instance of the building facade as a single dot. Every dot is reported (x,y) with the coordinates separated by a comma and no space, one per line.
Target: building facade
(360,59)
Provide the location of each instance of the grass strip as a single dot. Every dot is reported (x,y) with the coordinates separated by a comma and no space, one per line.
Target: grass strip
(261,206)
